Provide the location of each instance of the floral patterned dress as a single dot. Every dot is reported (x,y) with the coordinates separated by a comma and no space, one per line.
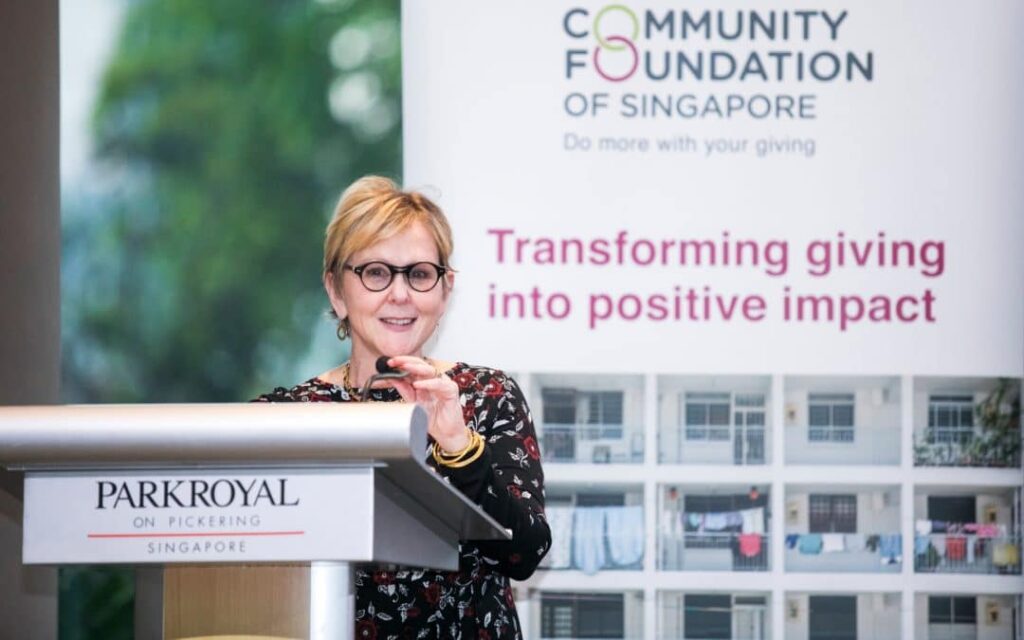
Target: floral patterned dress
(507,481)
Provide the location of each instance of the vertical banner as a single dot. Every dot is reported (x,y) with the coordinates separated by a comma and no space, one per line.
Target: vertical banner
(731,240)
(692,188)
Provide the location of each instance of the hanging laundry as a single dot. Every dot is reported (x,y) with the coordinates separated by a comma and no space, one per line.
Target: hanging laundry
(972,546)
(791,540)
(956,548)
(923,527)
(752,520)
(939,543)
(750,544)
(715,521)
(560,520)
(921,544)
(872,542)
(733,520)
(671,522)
(1005,554)
(890,548)
(588,539)
(832,543)
(625,535)
(856,542)
(988,531)
(926,556)
(810,543)
(694,521)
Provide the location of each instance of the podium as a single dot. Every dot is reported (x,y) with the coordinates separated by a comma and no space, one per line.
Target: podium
(244,520)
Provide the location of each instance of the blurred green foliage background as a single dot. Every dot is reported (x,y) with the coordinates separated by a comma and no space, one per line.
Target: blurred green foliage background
(223,134)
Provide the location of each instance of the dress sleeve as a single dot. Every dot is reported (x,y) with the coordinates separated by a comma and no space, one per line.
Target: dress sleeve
(507,480)
(279,394)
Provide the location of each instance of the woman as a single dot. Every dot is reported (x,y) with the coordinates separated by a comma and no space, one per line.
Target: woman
(387,275)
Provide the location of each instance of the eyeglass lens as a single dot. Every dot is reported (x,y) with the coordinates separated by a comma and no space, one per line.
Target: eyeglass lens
(422,276)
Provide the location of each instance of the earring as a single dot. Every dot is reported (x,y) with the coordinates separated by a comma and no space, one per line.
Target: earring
(342,330)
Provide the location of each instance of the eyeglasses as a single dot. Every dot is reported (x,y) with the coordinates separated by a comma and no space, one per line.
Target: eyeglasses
(377,276)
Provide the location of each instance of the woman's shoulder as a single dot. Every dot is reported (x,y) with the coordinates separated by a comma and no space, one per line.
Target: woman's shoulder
(477,372)
(486,380)
(313,390)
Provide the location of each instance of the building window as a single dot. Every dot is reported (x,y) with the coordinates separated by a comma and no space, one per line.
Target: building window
(749,409)
(707,416)
(949,610)
(833,513)
(601,410)
(959,509)
(559,406)
(707,616)
(830,417)
(950,419)
(833,618)
(600,499)
(582,615)
(604,410)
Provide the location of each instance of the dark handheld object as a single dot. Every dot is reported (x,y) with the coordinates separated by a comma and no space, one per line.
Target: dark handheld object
(384,372)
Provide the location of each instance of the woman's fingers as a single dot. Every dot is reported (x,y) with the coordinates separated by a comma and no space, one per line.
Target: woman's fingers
(438,393)
(415,366)
(443,387)
(404,388)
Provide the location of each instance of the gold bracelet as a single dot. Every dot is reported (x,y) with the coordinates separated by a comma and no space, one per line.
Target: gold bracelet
(441,458)
(473,435)
(470,453)
(458,464)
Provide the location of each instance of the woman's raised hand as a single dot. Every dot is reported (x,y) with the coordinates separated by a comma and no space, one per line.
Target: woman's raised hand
(438,395)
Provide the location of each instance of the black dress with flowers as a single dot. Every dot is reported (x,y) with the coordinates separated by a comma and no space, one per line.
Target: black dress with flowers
(507,481)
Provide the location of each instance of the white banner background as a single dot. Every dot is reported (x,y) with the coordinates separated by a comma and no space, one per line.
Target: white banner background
(930,149)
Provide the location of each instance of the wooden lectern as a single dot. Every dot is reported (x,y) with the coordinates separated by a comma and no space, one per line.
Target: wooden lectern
(244,520)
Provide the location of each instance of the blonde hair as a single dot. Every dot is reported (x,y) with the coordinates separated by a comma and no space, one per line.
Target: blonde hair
(373,209)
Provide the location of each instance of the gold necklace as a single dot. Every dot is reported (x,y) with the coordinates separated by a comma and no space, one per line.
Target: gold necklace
(346,384)
(353,393)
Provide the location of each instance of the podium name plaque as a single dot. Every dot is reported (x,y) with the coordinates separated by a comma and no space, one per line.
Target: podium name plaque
(197,494)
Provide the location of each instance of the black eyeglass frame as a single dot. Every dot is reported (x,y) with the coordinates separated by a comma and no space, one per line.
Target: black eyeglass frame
(392,270)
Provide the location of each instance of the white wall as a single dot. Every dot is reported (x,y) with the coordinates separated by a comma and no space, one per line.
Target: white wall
(877,620)
(634,615)
(1003,628)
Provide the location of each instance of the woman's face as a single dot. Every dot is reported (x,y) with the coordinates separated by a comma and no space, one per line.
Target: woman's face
(398,320)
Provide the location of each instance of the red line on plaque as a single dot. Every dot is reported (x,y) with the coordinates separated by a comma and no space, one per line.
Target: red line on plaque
(211,534)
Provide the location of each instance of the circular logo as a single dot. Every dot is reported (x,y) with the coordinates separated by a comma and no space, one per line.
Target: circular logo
(618,43)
